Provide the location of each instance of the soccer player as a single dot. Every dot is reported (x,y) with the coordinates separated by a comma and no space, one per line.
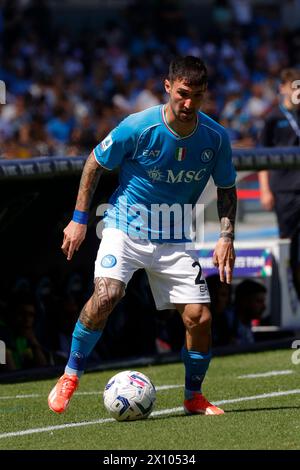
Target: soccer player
(166,155)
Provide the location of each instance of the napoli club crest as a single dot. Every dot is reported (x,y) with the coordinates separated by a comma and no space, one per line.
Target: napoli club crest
(108,261)
(207,155)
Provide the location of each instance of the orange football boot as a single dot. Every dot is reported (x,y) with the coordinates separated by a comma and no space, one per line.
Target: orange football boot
(61,394)
(199,405)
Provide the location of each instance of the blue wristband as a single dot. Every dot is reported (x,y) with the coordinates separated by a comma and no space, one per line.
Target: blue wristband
(80,217)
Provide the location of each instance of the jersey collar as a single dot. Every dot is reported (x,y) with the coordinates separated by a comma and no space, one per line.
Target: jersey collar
(163,113)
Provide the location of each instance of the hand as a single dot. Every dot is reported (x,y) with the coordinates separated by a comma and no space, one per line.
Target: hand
(267,199)
(74,234)
(224,257)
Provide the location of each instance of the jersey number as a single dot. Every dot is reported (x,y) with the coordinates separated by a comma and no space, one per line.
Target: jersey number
(198,279)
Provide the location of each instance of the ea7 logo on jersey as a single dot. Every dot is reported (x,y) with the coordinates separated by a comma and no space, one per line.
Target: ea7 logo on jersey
(151,153)
(207,155)
(106,143)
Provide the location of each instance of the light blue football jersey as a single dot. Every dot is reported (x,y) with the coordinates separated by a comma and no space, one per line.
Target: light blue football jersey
(158,168)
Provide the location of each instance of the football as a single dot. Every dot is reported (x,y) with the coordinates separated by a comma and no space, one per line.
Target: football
(129,395)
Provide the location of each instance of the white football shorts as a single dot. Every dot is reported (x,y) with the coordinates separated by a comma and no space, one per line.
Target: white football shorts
(175,276)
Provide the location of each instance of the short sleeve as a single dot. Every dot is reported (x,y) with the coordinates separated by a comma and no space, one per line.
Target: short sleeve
(224,173)
(118,144)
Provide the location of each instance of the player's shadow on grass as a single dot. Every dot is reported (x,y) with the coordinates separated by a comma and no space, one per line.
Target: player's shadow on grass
(270,408)
(170,415)
(267,408)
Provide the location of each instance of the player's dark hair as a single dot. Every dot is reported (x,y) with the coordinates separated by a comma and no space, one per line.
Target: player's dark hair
(289,75)
(190,69)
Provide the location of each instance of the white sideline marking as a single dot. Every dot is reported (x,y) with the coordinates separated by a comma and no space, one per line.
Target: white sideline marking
(155,413)
(33,395)
(157,388)
(39,395)
(258,397)
(267,374)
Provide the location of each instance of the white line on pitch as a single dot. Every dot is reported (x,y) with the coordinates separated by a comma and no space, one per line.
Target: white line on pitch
(9,397)
(39,395)
(271,373)
(155,413)
(157,388)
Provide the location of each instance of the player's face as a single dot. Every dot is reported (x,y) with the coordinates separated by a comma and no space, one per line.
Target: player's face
(288,92)
(184,100)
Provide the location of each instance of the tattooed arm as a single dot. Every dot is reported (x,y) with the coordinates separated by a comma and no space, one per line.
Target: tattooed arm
(74,233)
(226,203)
(88,183)
(224,255)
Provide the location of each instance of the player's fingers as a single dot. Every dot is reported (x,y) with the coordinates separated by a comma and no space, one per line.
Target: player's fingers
(228,273)
(229,266)
(215,260)
(221,272)
(71,250)
(65,246)
(77,245)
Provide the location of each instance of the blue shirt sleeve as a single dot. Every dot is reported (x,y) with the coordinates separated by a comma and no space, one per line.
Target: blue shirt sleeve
(118,144)
(224,173)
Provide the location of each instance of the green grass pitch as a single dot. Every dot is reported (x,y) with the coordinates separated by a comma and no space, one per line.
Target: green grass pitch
(260,412)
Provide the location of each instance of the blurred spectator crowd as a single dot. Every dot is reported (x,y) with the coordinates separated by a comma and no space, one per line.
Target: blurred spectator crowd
(38,315)
(66,91)
(37,318)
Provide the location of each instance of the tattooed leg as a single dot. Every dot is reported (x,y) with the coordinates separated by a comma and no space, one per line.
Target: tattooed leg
(107,293)
(91,322)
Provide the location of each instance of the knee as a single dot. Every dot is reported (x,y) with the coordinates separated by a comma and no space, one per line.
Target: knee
(195,316)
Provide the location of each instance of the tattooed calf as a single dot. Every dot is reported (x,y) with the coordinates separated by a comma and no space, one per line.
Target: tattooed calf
(107,294)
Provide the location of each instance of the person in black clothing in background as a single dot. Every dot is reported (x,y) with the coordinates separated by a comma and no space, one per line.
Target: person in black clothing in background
(280,189)
(221,310)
